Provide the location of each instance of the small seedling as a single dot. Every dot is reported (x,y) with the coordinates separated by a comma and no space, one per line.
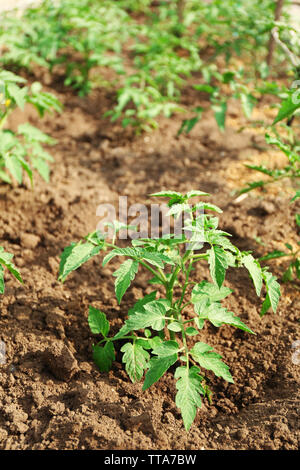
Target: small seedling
(161,329)
(290,170)
(22,150)
(6,262)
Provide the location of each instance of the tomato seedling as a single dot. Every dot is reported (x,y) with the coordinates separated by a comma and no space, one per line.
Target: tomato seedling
(157,334)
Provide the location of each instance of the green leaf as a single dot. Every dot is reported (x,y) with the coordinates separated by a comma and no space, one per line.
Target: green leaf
(2,286)
(255,272)
(140,304)
(209,290)
(104,356)
(157,367)
(167,348)
(174,196)
(124,275)
(218,263)
(18,94)
(138,308)
(220,114)
(132,252)
(13,164)
(153,315)
(288,107)
(297,196)
(248,102)
(202,353)
(288,274)
(188,397)
(174,326)
(273,293)
(74,256)
(177,209)
(98,322)
(218,315)
(33,134)
(273,255)
(135,359)
(195,193)
(191,331)
(42,167)
(156,259)
(6,260)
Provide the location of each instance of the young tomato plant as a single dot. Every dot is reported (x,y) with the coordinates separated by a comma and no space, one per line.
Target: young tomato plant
(291,170)
(15,148)
(157,333)
(6,262)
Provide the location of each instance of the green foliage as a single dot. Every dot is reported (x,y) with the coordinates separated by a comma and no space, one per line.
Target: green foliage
(157,330)
(149,62)
(6,262)
(70,35)
(291,170)
(293,256)
(22,150)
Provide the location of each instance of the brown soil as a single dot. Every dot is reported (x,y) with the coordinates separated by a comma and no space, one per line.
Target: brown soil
(52,395)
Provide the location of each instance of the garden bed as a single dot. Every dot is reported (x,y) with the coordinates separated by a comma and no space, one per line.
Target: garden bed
(65,402)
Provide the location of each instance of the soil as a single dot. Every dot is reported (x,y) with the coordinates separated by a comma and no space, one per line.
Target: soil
(52,394)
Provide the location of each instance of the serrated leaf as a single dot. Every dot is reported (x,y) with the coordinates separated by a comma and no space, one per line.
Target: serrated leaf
(42,167)
(104,356)
(124,275)
(157,367)
(167,348)
(177,209)
(137,308)
(288,107)
(209,290)
(6,260)
(273,293)
(152,315)
(218,315)
(135,359)
(74,256)
(202,353)
(140,304)
(13,164)
(255,272)
(218,263)
(155,258)
(188,397)
(195,193)
(98,322)
(132,252)
(33,134)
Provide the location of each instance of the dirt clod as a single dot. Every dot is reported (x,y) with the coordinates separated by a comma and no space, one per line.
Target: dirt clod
(60,361)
